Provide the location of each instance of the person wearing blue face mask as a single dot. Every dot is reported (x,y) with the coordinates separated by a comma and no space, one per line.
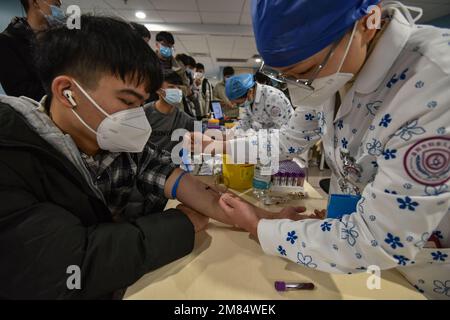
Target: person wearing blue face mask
(164,49)
(18,75)
(165,115)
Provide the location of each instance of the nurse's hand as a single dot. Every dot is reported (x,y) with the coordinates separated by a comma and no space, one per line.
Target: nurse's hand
(241,213)
(197,141)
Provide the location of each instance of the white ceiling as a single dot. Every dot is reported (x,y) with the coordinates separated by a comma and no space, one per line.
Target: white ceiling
(210,29)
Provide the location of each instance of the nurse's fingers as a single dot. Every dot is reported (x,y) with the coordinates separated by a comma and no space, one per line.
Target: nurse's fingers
(299,209)
(320,214)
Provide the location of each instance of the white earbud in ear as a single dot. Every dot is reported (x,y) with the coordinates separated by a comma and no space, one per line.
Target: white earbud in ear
(68,95)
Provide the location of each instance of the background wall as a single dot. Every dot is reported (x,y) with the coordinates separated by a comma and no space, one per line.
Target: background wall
(8,10)
(443,22)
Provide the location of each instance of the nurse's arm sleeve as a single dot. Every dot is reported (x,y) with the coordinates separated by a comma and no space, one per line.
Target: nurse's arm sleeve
(294,138)
(300,133)
(394,218)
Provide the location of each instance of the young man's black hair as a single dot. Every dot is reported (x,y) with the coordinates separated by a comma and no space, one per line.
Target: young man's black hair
(228,71)
(191,62)
(172,77)
(184,58)
(200,66)
(87,54)
(141,30)
(166,37)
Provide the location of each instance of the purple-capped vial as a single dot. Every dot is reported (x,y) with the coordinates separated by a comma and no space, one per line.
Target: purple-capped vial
(301,178)
(276,179)
(290,179)
(282,178)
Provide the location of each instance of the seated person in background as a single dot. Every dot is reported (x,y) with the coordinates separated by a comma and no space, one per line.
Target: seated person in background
(165,115)
(18,75)
(69,164)
(230,110)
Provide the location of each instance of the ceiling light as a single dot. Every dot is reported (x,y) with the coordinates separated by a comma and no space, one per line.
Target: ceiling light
(258,60)
(140,15)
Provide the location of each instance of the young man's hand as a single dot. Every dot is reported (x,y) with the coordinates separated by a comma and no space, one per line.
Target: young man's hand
(199,221)
(320,214)
(297,213)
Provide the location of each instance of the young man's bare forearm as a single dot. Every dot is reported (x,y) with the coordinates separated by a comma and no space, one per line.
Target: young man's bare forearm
(194,194)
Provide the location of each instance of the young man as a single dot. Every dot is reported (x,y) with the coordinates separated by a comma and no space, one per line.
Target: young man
(165,43)
(191,101)
(230,110)
(386,136)
(68,166)
(165,114)
(18,75)
(204,89)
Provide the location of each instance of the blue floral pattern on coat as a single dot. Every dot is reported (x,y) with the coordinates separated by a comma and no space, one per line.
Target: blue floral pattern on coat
(393,241)
(291,237)
(407,203)
(282,251)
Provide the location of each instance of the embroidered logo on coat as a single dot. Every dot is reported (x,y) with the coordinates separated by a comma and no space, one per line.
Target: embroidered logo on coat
(428,161)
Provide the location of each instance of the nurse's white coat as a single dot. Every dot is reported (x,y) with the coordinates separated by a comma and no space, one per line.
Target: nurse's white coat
(390,142)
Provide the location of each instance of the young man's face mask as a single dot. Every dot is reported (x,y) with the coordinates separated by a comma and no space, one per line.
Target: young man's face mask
(56,17)
(166,52)
(173,96)
(124,131)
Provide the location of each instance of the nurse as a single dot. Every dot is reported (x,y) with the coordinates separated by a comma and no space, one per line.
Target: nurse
(379,99)
(260,106)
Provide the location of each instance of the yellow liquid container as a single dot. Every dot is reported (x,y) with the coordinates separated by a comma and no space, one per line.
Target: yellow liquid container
(230,125)
(237,176)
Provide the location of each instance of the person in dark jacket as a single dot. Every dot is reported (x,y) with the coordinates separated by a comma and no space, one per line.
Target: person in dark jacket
(18,75)
(68,165)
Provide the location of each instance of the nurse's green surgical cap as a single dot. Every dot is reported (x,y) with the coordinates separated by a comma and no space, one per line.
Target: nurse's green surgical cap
(290,31)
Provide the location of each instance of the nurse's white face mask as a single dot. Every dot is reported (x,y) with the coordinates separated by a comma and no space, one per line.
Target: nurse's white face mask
(325,87)
(123,131)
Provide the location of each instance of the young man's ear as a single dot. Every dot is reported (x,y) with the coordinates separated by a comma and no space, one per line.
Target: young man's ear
(160,92)
(63,92)
(370,24)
